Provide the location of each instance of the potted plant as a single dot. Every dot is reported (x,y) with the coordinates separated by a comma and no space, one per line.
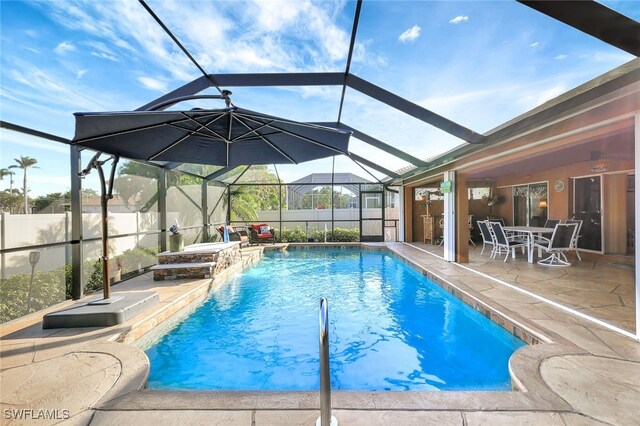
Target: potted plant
(176,240)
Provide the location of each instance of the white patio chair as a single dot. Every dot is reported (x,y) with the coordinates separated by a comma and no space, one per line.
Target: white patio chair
(561,240)
(502,242)
(487,236)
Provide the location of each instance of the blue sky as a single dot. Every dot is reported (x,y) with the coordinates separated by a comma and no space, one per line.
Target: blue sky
(475,62)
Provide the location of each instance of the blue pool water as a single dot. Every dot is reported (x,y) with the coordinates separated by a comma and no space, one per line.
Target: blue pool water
(390,329)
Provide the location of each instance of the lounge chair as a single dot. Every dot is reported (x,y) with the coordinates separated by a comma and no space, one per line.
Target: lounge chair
(235,235)
(261,233)
(561,241)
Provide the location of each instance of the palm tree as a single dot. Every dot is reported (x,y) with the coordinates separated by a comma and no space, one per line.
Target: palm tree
(24,163)
(6,172)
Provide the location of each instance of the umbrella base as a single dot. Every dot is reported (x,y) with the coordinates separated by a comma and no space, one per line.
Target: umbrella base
(88,313)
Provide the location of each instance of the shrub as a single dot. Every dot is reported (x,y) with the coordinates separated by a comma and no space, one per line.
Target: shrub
(296,235)
(339,235)
(48,288)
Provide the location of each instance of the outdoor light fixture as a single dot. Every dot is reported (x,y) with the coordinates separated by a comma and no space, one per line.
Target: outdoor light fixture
(543,204)
(34,258)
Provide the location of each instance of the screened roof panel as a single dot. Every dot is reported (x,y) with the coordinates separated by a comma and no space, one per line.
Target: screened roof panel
(477,63)
(293,172)
(273,36)
(394,128)
(376,155)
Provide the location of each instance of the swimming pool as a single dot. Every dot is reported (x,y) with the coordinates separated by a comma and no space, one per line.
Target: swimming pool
(390,329)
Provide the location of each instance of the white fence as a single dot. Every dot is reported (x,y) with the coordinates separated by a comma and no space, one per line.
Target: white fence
(37,229)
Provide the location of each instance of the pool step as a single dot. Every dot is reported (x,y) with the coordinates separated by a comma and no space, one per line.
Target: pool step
(166,271)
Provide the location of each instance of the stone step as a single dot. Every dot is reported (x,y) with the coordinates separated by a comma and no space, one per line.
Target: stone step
(183,265)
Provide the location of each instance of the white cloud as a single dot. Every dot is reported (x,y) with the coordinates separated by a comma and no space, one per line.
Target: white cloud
(410,35)
(458,19)
(31,33)
(105,56)
(64,47)
(80,74)
(31,49)
(534,44)
(102,51)
(153,83)
(560,57)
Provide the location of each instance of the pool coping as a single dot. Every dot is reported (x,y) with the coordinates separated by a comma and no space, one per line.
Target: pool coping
(529,393)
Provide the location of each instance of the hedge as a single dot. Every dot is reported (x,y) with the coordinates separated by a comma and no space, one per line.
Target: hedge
(298,235)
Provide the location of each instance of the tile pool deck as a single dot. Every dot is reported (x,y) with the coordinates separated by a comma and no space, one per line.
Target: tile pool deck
(598,286)
(585,374)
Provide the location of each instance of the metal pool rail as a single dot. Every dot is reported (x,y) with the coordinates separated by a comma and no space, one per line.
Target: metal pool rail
(325,419)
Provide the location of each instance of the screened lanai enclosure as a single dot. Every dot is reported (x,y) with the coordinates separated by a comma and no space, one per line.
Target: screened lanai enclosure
(395,75)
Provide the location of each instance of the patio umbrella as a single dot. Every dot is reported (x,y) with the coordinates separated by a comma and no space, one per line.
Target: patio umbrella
(225,137)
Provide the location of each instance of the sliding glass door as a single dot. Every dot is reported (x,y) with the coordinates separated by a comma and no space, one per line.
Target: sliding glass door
(530,204)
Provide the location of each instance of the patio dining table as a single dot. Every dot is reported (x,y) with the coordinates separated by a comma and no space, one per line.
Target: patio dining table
(531,231)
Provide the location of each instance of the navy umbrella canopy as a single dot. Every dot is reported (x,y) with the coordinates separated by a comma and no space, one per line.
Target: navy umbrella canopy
(225,137)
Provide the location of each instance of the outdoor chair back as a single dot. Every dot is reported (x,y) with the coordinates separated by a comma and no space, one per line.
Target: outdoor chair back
(499,220)
(261,232)
(577,235)
(234,235)
(499,234)
(487,237)
(551,223)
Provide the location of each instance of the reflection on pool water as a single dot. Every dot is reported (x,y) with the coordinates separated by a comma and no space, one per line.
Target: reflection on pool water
(390,329)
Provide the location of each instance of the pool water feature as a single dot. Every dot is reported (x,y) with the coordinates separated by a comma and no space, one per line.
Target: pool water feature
(390,329)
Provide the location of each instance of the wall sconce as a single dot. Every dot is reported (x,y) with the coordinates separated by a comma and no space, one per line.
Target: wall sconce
(543,204)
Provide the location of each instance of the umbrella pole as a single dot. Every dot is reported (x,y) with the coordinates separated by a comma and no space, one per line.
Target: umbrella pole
(105,196)
(106,287)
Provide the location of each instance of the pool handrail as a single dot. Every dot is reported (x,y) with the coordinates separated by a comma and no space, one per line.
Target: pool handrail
(325,418)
